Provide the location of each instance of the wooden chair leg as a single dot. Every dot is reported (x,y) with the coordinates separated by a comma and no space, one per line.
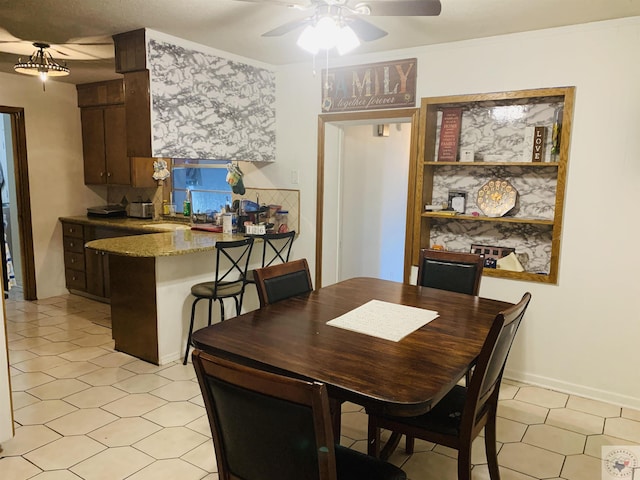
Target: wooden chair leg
(336,419)
(464,462)
(490,445)
(373,444)
(410,443)
(193,316)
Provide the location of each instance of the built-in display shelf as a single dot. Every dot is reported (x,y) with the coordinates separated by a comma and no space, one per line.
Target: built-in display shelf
(499,128)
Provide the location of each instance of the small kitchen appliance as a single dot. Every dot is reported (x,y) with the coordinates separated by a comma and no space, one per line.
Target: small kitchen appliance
(110,210)
(141,209)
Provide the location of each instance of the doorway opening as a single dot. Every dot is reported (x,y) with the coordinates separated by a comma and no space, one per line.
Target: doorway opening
(18,261)
(336,213)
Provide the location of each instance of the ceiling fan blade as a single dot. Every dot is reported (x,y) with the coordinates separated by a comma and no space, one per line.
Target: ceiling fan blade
(287,27)
(364,30)
(401,8)
(59,52)
(298,4)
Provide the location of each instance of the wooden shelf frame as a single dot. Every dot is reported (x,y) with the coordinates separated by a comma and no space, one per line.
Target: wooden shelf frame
(496,164)
(481,218)
(426,168)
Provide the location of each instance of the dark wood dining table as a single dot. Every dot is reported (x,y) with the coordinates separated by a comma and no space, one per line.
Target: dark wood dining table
(407,377)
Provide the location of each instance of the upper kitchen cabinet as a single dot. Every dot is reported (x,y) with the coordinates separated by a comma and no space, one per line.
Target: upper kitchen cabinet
(183,100)
(131,61)
(104,144)
(130,51)
(137,109)
(116,138)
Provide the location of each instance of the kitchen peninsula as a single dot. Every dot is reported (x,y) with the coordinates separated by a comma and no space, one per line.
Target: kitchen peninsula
(151,277)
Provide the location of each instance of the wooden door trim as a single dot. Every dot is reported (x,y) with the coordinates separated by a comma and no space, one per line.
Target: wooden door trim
(23,199)
(382,115)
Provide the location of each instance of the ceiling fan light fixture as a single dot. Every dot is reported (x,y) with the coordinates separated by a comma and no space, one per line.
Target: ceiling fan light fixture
(41,63)
(308,40)
(327,30)
(327,33)
(347,40)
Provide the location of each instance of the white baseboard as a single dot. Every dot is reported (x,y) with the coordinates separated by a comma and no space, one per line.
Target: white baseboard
(574,389)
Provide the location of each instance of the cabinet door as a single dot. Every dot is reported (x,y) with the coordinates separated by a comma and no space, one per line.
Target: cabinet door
(138,106)
(115,138)
(95,273)
(93,146)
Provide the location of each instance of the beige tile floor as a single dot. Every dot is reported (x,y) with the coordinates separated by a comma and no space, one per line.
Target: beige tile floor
(83,410)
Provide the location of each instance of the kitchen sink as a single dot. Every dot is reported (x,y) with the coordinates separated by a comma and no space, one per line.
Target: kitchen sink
(169,227)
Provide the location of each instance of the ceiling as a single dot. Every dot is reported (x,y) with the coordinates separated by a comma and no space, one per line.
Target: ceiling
(236,25)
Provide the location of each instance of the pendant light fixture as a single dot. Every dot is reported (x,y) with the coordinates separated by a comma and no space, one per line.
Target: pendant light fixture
(41,63)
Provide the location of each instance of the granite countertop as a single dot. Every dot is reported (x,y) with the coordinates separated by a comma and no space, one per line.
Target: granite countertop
(126,223)
(180,242)
(159,242)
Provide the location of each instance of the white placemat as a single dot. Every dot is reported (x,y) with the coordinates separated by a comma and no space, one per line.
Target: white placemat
(384,320)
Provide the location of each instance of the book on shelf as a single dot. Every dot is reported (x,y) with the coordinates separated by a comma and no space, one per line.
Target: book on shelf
(449,134)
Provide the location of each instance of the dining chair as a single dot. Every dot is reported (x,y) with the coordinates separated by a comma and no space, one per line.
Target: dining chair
(282,281)
(460,416)
(276,248)
(232,260)
(269,426)
(453,271)
(285,280)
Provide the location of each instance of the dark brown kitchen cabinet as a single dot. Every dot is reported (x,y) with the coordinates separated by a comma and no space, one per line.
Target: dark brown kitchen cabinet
(104,133)
(104,146)
(97,267)
(138,112)
(87,270)
(116,131)
(74,259)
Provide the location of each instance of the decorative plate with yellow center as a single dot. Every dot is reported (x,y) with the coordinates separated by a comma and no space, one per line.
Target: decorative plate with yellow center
(497,197)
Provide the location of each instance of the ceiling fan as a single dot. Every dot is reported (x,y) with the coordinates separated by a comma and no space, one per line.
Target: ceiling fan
(87,48)
(341,23)
(41,62)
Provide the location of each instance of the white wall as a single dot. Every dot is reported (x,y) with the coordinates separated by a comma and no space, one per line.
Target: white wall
(374,202)
(54,151)
(581,334)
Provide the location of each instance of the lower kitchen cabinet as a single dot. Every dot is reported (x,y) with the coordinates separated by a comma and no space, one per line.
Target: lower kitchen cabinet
(97,269)
(74,258)
(86,270)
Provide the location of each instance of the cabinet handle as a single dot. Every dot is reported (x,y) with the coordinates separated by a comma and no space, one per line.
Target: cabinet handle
(103,254)
(108,174)
(102,174)
(73,278)
(73,260)
(71,244)
(71,230)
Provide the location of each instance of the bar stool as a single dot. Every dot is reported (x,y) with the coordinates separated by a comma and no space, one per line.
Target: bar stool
(276,248)
(232,260)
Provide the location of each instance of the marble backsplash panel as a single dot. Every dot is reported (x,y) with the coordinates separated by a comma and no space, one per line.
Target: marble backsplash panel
(208,107)
(532,243)
(497,132)
(535,186)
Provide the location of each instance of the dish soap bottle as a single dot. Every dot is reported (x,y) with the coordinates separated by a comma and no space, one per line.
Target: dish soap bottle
(186,206)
